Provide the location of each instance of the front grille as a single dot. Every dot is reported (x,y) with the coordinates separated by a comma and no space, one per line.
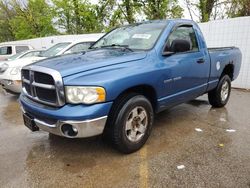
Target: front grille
(41,86)
(26,74)
(46,95)
(27,88)
(43,78)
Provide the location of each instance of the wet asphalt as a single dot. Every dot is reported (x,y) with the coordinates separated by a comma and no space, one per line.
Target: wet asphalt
(210,158)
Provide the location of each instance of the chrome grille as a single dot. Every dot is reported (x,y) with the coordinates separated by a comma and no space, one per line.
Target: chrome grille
(43,85)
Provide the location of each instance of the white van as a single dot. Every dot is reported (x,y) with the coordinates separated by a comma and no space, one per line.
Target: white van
(7,51)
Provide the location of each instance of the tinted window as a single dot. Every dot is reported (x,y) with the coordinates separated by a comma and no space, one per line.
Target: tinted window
(21,48)
(6,50)
(184,33)
(79,47)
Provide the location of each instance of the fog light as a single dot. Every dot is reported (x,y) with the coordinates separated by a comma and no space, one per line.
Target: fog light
(69,130)
(9,82)
(75,129)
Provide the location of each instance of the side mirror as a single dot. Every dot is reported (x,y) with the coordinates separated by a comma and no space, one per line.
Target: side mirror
(167,53)
(180,45)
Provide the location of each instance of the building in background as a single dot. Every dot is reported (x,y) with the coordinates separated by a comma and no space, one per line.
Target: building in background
(231,32)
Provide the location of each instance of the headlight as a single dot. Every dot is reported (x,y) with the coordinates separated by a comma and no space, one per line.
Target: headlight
(4,67)
(15,70)
(85,95)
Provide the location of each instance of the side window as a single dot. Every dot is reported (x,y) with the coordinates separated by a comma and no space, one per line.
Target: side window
(183,37)
(79,47)
(21,48)
(6,50)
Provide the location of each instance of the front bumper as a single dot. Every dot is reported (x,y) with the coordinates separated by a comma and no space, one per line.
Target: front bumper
(86,120)
(12,86)
(83,129)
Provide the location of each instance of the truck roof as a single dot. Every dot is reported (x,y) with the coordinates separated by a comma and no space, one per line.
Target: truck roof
(12,44)
(166,21)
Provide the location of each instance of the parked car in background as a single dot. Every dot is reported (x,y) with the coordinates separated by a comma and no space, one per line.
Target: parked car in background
(7,51)
(131,73)
(66,48)
(28,53)
(10,75)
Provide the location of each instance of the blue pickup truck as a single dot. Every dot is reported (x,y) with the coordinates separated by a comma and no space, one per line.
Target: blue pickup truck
(124,79)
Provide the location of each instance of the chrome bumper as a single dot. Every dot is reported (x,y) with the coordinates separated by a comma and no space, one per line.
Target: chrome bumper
(86,128)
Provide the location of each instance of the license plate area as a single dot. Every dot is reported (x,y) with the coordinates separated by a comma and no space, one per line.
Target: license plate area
(30,123)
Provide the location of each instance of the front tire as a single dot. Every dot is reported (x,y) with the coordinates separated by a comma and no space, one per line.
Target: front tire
(220,95)
(131,122)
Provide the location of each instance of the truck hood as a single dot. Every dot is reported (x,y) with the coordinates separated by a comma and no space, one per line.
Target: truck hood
(85,61)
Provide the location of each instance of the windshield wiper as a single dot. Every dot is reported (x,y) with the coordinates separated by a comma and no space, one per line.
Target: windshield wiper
(118,45)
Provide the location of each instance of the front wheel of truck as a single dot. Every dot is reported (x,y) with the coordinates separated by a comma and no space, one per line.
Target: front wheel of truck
(220,95)
(131,122)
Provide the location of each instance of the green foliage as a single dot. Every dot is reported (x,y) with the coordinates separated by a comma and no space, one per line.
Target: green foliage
(78,16)
(32,20)
(63,11)
(6,14)
(239,8)
(218,9)
(120,12)
(205,8)
(89,21)
(127,10)
(23,19)
(106,14)
(155,9)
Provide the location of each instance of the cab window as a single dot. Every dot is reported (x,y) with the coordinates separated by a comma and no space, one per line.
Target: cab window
(21,49)
(184,34)
(6,50)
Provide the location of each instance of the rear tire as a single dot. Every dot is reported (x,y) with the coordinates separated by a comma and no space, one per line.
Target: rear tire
(130,122)
(219,96)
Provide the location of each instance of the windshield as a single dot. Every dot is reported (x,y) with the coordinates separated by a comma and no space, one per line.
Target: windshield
(16,56)
(136,37)
(54,50)
(31,54)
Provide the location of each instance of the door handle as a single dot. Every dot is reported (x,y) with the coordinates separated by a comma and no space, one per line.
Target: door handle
(200,61)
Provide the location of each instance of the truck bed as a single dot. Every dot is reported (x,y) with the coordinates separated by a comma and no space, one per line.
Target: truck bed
(221,57)
(221,48)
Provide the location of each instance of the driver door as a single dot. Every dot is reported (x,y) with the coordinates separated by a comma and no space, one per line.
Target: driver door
(186,70)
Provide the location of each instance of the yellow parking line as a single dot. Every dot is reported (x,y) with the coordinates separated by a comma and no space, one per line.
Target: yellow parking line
(143,168)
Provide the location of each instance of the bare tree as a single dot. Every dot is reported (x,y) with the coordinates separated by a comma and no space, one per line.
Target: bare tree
(239,8)
(206,10)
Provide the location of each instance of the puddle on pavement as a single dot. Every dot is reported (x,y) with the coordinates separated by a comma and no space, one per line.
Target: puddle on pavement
(51,160)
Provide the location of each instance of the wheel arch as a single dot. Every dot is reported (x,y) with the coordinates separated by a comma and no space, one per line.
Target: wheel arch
(143,89)
(228,70)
